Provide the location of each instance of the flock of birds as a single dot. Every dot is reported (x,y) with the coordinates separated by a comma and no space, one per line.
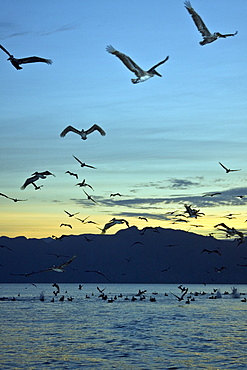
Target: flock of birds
(182,296)
(141,76)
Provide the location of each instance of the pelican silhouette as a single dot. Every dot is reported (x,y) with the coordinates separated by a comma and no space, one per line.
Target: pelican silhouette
(72,174)
(59,268)
(16,62)
(71,214)
(228,169)
(14,199)
(133,67)
(83,183)
(83,133)
(34,177)
(113,222)
(82,163)
(208,37)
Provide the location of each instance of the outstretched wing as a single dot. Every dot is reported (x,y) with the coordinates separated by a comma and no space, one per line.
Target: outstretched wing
(68,129)
(78,160)
(95,127)
(3,195)
(197,19)
(225,168)
(227,34)
(34,60)
(127,61)
(6,51)
(67,263)
(158,64)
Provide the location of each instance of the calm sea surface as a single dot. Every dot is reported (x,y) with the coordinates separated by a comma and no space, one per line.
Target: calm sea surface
(92,333)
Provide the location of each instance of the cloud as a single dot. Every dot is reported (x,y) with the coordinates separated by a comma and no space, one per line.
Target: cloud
(63,28)
(183,183)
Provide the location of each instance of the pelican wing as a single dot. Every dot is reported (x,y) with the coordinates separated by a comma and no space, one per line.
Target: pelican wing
(78,160)
(225,168)
(127,61)
(29,181)
(227,34)
(6,51)
(158,64)
(197,20)
(66,263)
(33,60)
(95,127)
(68,129)
(3,195)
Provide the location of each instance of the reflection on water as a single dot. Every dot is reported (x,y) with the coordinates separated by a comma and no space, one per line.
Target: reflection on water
(93,333)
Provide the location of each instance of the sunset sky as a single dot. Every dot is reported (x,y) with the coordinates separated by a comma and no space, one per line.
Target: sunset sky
(164,138)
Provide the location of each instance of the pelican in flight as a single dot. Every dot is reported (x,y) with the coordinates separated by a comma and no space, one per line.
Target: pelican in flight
(34,177)
(208,37)
(16,62)
(82,163)
(83,183)
(113,222)
(14,199)
(193,212)
(71,214)
(83,133)
(227,169)
(60,268)
(133,67)
(72,174)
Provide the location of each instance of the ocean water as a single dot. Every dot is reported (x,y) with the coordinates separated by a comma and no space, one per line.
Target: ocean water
(91,333)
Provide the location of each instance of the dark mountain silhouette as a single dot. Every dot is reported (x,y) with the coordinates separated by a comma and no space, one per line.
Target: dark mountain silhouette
(151,255)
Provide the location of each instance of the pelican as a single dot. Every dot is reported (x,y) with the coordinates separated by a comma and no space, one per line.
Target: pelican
(228,169)
(143,218)
(113,222)
(34,177)
(83,183)
(115,194)
(209,251)
(82,220)
(211,194)
(89,197)
(16,62)
(82,163)
(68,225)
(83,133)
(60,268)
(133,67)
(182,296)
(208,37)
(193,212)
(71,214)
(14,199)
(99,273)
(72,174)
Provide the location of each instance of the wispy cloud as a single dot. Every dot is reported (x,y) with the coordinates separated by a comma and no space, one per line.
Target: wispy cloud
(63,28)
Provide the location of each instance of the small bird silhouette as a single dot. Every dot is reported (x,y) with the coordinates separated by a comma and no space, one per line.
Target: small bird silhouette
(72,174)
(14,199)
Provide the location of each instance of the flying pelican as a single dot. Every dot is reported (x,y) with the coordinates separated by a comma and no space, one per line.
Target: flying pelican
(114,194)
(68,225)
(193,212)
(82,220)
(113,222)
(59,268)
(208,37)
(89,197)
(227,169)
(82,163)
(14,199)
(72,174)
(16,62)
(83,183)
(99,273)
(133,67)
(83,134)
(71,214)
(143,218)
(182,296)
(36,176)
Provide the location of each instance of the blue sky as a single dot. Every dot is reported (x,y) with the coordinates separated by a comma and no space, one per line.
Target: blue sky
(164,138)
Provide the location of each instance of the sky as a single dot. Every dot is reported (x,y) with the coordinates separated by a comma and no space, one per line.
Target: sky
(164,137)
